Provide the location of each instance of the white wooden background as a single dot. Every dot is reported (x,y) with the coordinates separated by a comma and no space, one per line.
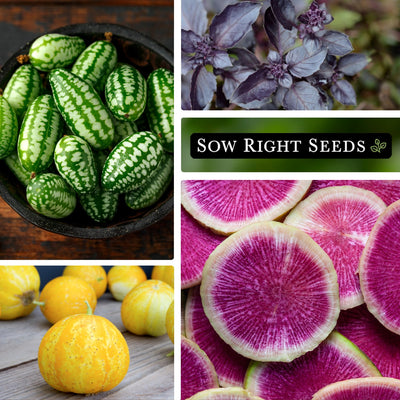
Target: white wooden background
(150,375)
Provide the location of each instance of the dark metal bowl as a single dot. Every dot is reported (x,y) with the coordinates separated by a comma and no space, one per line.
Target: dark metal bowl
(146,55)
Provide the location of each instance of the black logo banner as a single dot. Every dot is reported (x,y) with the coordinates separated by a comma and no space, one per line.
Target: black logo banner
(291,145)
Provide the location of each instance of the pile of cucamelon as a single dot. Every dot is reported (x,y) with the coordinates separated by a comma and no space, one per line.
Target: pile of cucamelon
(290,290)
(68,130)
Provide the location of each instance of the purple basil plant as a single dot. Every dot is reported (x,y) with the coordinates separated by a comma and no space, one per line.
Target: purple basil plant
(269,54)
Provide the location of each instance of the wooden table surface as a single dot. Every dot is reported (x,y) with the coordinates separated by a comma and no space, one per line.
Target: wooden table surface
(21,21)
(150,375)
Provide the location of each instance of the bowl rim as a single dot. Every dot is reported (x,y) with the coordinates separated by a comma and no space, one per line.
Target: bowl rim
(59,226)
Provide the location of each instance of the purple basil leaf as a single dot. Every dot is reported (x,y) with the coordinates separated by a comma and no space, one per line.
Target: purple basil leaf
(189,40)
(202,88)
(194,16)
(300,6)
(302,96)
(284,12)
(233,77)
(344,93)
(279,96)
(352,63)
(244,57)
(228,27)
(255,90)
(216,6)
(286,81)
(185,90)
(221,101)
(326,100)
(221,59)
(186,65)
(305,60)
(283,39)
(337,43)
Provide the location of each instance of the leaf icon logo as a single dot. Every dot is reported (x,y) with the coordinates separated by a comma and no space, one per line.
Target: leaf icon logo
(378,146)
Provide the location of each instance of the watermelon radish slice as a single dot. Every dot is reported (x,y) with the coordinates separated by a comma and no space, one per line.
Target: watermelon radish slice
(334,360)
(387,190)
(270,292)
(380,269)
(197,371)
(340,220)
(378,343)
(231,367)
(228,205)
(361,389)
(231,393)
(197,243)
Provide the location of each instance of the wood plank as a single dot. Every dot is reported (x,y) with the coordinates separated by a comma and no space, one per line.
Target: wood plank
(20,240)
(150,374)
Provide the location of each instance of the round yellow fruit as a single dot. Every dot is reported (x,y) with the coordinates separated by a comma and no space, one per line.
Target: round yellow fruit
(95,275)
(169,322)
(163,273)
(123,278)
(144,308)
(19,288)
(83,354)
(64,296)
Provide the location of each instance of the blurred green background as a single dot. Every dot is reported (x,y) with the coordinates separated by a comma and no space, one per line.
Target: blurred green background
(291,125)
(373,27)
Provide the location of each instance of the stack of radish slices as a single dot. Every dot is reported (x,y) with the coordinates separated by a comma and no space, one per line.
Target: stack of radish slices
(291,290)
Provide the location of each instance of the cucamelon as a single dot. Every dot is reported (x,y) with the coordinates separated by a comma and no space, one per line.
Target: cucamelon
(23,87)
(82,108)
(123,129)
(40,130)
(131,162)
(95,63)
(75,163)
(49,195)
(160,106)
(126,92)
(17,169)
(55,50)
(152,190)
(8,128)
(100,206)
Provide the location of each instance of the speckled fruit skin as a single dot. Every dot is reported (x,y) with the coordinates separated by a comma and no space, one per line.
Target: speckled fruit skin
(144,308)
(123,278)
(169,321)
(83,354)
(95,275)
(64,296)
(164,273)
(19,287)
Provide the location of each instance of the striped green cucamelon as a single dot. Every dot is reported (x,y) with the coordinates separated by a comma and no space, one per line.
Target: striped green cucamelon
(49,195)
(101,206)
(95,63)
(8,128)
(123,129)
(160,106)
(41,128)
(125,92)
(74,160)
(55,50)
(22,88)
(17,169)
(152,190)
(82,108)
(131,162)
